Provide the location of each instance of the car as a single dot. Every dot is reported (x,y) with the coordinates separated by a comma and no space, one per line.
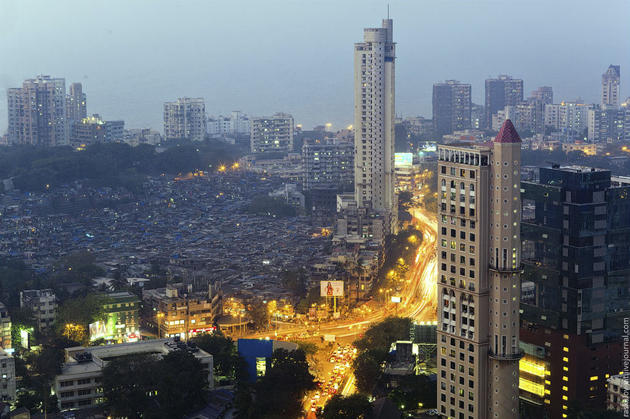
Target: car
(432,412)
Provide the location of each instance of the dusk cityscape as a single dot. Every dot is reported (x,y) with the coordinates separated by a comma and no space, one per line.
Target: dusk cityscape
(314,210)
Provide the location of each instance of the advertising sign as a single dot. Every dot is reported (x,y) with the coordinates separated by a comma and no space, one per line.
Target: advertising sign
(403,159)
(331,288)
(98,330)
(396,300)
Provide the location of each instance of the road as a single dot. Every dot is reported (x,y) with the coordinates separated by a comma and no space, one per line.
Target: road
(418,302)
(419,293)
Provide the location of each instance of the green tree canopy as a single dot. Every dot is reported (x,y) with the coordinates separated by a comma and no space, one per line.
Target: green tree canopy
(356,406)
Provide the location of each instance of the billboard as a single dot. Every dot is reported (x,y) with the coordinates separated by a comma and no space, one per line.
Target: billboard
(98,330)
(331,288)
(396,300)
(403,159)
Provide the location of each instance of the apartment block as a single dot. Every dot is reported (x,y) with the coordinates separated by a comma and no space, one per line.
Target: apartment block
(273,134)
(479,278)
(37,112)
(185,118)
(43,305)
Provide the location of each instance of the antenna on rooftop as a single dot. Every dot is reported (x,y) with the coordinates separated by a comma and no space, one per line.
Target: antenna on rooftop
(387,10)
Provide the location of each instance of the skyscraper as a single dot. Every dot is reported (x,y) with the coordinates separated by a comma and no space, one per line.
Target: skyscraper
(185,118)
(479,278)
(37,112)
(501,92)
(374,114)
(610,87)
(576,286)
(451,107)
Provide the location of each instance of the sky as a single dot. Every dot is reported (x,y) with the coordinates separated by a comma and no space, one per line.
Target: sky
(296,56)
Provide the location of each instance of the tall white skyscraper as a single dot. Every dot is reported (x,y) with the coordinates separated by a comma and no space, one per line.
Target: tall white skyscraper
(374,112)
(610,87)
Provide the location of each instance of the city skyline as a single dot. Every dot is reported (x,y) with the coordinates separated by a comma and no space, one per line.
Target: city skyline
(133,84)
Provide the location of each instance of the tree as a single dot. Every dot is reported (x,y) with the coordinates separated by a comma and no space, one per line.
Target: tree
(126,383)
(181,384)
(258,314)
(367,370)
(223,350)
(280,391)
(380,336)
(76,314)
(356,406)
(145,386)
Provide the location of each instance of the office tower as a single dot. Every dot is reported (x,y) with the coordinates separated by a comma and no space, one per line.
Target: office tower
(272,134)
(451,107)
(374,113)
(576,257)
(501,92)
(37,112)
(328,164)
(543,94)
(185,118)
(76,104)
(479,278)
(610,87)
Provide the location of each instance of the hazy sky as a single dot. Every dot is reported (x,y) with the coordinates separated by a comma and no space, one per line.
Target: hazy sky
(264,56)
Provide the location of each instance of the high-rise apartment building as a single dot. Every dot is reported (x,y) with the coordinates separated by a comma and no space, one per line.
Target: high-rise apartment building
(576,287)
(374,113)
(501,92)
(185,118)
(479,255)
(610,87)
(37,112)
(272,134)
(328,163)
(570,118)
(451,107)
(543,94)
(609,124)
(76,104)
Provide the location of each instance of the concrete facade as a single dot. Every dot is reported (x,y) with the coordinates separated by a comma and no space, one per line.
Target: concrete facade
(479,278)
(374,113)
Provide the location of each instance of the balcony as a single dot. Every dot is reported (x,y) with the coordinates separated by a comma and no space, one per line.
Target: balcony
(506,357)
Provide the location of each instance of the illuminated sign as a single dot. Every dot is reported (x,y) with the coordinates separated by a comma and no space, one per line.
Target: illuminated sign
(98,330)
(403,159)
(331,288)
(261,366)
(396,299)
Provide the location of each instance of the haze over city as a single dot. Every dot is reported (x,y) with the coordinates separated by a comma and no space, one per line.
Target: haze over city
(296,56)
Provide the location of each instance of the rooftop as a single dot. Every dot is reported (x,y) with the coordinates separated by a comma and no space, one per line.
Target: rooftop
(507,134)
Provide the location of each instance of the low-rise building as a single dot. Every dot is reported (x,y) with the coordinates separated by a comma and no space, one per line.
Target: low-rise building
(79,384)
(121,322)
(43,305)
(5,327)
(7,377)
(176,313)
(618,393)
